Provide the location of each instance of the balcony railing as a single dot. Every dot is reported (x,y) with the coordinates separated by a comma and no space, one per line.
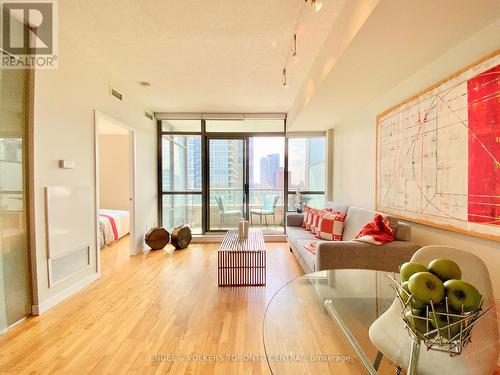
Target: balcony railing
(188,210)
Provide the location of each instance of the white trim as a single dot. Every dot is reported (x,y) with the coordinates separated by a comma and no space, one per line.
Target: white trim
(210,238)
(6,329)
(52,301)
(219,116)
(16,323)
(311,134)
(132,187)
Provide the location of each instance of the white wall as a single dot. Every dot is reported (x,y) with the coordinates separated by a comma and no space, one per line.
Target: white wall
(354,146)
(114,172)
(63,117)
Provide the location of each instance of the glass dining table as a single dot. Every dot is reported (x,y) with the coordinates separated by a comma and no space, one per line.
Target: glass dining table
(319,323)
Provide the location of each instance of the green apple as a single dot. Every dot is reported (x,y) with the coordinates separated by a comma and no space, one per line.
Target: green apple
(445,269)
(461,294)
(417,323)
(405,293)
(448,326)
(414,303)
(424,286)
(409,268)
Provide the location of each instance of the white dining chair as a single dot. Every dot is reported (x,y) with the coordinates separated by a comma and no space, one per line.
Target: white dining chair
(479,357)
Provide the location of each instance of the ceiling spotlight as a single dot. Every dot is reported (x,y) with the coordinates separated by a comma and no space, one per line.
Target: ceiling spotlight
(285,84)
(145,84)
(294,49)
(316,3)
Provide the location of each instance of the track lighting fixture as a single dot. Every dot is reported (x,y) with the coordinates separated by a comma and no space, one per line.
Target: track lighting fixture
(285,83)
(294,49)
(316,4)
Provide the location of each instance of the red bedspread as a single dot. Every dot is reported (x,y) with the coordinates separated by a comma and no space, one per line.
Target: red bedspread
(113,225)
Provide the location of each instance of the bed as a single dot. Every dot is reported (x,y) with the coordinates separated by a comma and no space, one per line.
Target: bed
(113,225)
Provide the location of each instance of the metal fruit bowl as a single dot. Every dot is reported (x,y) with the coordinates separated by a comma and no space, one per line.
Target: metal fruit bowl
(454,328)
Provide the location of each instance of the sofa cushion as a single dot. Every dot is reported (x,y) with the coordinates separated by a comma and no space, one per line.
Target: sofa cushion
(337,206)
(297,233)
(355,220)
(403,232)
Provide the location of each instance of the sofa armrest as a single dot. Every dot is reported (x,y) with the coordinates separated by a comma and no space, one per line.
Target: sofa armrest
(403,232)
(360,255)
(294,219)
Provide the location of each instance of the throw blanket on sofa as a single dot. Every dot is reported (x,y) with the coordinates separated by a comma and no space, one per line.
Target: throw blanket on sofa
(311,247)
(378,232)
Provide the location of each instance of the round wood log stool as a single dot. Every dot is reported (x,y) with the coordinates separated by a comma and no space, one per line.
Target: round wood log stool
(157,238)
(181,237)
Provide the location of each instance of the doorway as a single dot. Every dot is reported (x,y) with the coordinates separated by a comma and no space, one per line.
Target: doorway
(227,182)
(115,171)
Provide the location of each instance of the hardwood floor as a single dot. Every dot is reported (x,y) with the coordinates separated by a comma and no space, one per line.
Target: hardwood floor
(157,303)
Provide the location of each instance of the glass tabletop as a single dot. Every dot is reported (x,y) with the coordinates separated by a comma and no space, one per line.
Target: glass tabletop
(319,323)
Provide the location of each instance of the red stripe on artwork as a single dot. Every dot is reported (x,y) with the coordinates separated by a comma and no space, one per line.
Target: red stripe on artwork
(484,147)
(113,225)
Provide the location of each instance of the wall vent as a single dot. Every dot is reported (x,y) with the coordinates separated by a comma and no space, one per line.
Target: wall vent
(116,94)
(148,115)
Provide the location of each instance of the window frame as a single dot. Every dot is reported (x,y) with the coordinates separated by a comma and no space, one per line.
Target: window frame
(161,192)
(204,191)
(307,135)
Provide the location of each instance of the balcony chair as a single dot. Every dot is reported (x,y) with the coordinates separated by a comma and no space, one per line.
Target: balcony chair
(478,357)
(223,212)
(268,209)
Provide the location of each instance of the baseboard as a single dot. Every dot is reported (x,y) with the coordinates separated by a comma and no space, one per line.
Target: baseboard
(209,238)
(59,297)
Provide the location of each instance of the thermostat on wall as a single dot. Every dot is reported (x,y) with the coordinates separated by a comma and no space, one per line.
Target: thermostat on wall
(67,164)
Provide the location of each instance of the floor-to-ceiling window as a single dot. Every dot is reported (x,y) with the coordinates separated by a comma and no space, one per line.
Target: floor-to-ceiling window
(307,170)
(181,174)
(215,170)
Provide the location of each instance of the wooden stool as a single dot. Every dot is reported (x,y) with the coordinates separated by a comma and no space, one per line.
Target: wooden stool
(157,238)
(181,237)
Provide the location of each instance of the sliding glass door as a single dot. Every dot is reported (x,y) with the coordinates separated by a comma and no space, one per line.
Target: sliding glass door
(266,182)
(14,276)
(226,182)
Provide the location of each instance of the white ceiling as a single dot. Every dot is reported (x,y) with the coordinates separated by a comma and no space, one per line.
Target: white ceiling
(399,38)
(227,55)
(200,55)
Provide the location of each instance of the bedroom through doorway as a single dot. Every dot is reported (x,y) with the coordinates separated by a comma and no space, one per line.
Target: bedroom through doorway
(114,186)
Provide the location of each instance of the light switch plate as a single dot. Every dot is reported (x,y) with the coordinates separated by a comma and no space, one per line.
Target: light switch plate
(67,164)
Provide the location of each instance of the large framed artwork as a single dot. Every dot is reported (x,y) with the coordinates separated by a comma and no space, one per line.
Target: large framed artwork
(438,153)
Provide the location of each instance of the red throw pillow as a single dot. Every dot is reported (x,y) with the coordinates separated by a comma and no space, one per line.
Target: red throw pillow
(317,219)
(306,212)
(325,211)
(310,217)
(332,226)
(314,220)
